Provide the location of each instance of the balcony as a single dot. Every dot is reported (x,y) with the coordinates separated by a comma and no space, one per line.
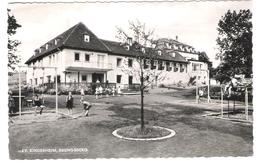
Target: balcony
(89,66)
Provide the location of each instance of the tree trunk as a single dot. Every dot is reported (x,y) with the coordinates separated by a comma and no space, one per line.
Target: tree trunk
(142,103)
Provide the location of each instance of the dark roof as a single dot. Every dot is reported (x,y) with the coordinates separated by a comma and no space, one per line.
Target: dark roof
(72,38)
(118,48)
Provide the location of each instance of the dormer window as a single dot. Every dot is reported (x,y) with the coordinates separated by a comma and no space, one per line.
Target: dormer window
(127,47)
(47,46)
(159,52)
(40,50)
(143,50)
(55,42)
(86,38)
(173,54)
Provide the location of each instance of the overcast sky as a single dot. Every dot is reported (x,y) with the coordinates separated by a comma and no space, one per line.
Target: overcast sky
(195,23)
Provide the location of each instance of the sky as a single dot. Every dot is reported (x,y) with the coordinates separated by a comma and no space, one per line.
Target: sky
(195,23)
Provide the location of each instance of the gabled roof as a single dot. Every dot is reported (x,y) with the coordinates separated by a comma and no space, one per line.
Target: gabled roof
(72,38)
(118,48)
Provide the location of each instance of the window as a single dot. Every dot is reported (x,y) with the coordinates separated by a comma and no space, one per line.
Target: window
(49,60)
(58,78)
(41,78)
(130,62)
(86,38)
(36,83)
(130,80)
(195,67)
(47,46)
(153,64)
(83,78)
(168,67)
(55,42)
(118,79)
(159,52)
(175,67)
(49,79)
(118,62)
(76,57)
(86,57)
(182,67)
(146,63)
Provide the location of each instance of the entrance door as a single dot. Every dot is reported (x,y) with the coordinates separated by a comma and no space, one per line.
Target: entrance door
(97,77)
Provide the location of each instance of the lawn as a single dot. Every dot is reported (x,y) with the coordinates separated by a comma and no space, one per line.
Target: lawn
(195,135)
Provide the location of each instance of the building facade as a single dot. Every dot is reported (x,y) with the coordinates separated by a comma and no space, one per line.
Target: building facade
(81,57)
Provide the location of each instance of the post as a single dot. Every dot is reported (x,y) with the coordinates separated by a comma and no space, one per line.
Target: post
(20,93)
(208,86)
(197,97)
(222,109)
(246,103)
(56,88)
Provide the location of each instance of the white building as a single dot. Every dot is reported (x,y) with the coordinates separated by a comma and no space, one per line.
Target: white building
(81,57)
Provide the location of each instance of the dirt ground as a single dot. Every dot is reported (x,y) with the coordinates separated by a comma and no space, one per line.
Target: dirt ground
(196,135)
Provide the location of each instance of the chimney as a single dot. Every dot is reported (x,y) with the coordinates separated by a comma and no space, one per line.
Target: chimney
(129,41)
(176,38)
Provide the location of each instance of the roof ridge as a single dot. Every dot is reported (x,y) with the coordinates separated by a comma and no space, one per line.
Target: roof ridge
(109,49)
(75,26)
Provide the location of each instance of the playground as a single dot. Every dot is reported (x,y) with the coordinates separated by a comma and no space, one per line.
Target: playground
(177,109)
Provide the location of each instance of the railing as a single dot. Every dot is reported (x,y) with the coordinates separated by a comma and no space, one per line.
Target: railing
(100,65)
(75,87)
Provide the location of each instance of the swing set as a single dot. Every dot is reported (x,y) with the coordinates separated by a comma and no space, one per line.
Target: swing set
(34,68)
(231,93)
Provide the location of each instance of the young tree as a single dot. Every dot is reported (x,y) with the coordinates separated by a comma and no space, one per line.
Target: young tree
(235,45)
(144,47)
(13,58)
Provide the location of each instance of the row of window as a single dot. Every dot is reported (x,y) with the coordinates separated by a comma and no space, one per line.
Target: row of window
(77,57)
(41,81)
(119,79)
(161,66)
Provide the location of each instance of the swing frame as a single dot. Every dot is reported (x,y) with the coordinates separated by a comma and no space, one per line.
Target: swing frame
(37,67)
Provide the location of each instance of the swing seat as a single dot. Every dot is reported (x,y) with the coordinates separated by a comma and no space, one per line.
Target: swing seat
(29,103)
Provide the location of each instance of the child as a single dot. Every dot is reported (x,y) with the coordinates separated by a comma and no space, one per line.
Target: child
(97,92)
(11,104)
(69,103)
(100,91)
(38,104)
(86,105)
(119,91)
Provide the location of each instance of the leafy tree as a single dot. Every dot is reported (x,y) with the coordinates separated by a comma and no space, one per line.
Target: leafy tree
(144,47)
(13,58)
(203,57)
(235,45)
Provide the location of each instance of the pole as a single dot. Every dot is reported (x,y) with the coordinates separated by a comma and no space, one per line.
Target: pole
(20,93)
(56,88)
(197,98)
(246,103)
(221,101)
(208,86)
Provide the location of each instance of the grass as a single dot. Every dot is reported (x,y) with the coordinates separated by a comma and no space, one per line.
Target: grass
(195,135)
(147,132)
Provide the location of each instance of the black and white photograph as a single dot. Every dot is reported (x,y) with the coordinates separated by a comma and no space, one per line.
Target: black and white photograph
(142,79)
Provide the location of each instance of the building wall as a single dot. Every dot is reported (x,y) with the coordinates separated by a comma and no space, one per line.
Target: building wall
(65,58)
